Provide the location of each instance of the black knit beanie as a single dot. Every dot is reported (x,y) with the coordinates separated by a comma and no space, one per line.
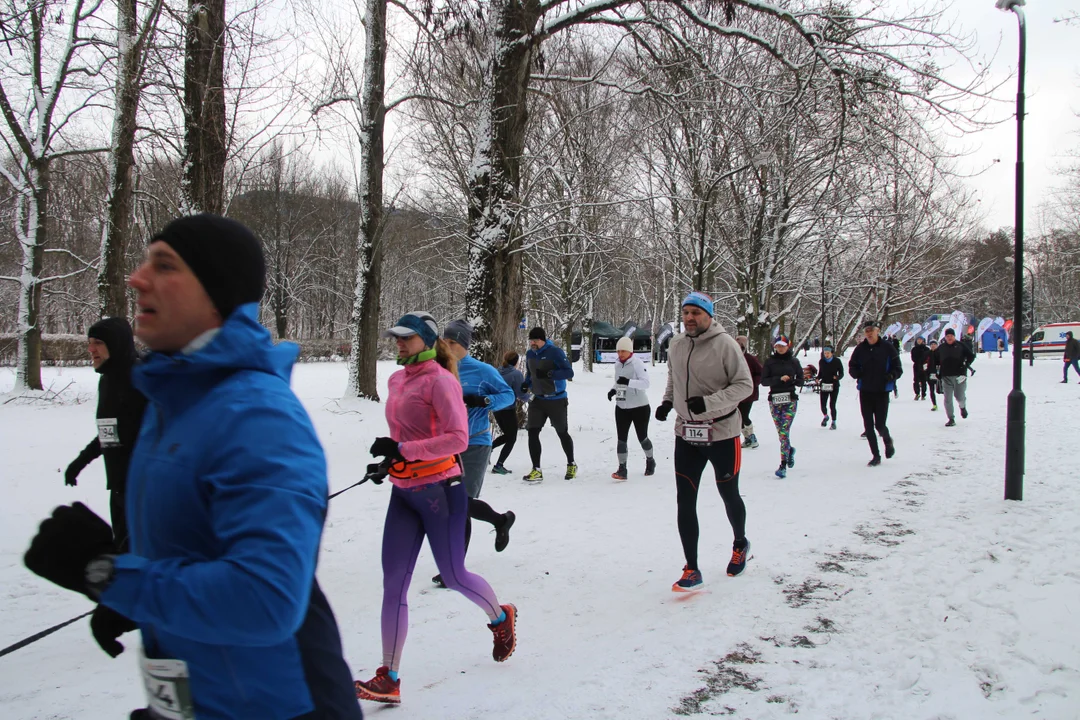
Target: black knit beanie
(225,256)
(537,333)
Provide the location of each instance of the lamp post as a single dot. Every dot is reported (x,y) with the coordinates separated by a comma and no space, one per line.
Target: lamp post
(1014,424)
(1031,317)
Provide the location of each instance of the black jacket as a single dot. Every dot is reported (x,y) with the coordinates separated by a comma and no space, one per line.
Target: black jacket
(776,366)
(919,355)
(876,366)
(831,372)
(120,406)
(1072,349)
(954,360)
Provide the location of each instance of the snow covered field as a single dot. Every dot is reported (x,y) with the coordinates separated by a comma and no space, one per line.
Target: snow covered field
(907,591)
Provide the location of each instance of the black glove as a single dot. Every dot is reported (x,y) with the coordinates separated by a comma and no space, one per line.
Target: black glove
(66,543)
(524,388)
(72,473)
(610,394)
(386,447)
(106,624)
(696,404)
(622,381)
(143,714)
(663,410)
(377,472)
(476,401)
(971,370)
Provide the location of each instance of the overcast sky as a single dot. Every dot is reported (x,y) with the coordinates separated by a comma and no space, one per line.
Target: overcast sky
(1052,125)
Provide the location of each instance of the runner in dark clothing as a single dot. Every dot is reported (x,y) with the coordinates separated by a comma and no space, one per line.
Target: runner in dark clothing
(920,355)
(782,374)
(749,438)
(507,418)
(932,374)
(119,415)
(876,365)
(829,375)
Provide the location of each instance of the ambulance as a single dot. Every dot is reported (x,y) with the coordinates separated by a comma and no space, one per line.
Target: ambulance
(1049,339)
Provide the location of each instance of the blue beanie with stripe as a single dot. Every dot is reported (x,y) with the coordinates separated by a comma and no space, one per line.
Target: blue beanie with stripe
(699,299)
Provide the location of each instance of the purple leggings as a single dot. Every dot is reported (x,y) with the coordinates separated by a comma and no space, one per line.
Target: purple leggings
(439,511)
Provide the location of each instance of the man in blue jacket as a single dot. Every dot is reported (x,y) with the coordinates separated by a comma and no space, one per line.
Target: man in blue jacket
(547,371)
(875,363)
(483,390)
(227,495)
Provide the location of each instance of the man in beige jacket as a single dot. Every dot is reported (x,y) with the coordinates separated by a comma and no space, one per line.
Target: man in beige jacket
(707,379)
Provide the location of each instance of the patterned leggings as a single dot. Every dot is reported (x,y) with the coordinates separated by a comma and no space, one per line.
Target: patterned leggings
(782,417)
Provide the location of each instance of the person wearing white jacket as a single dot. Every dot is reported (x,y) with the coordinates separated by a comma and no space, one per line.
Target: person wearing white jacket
(631,406)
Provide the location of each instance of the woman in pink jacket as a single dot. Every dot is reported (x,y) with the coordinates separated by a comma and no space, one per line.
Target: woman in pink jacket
(428,428)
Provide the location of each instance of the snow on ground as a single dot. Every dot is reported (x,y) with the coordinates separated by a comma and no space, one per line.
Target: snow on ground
(907,591)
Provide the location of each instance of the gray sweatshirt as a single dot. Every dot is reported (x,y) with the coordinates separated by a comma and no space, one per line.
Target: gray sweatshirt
(633,369)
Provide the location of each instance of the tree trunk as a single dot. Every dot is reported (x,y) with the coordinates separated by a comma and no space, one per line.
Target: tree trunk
(493,294)
(112,281)
(363,360)
(586,337)
(204,107)
(28,369)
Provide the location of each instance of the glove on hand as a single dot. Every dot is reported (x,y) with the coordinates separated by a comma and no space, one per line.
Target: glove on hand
(475,401)
(696,404)
(386,447)
(66,543)
(72,473)
(663,410)
(622,381)
(610,394)
(524,388)
(106,625)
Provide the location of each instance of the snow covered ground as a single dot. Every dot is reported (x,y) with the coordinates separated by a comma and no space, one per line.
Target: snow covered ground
(907,591)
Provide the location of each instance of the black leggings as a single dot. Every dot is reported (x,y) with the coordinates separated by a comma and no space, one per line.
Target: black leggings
(638,417)
(932,384)
(918,382)
(690,462)
(875,413)
(507,420)
(830,397)
(480,510)
(744,410)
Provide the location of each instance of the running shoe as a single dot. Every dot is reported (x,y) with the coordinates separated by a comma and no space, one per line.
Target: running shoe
(505,634)
(753,441)
(499,469)
(619,474)
(890,449)
(650,466)
(689,582)
(833,426)
(502,533)
(951,423)
(534,475)
(738,558)
(963,413)
(746,442)
(438,582)
(791,458)
(874,461)
(824,421)
(782,471)
(571,471)
(380,688)
(934,407)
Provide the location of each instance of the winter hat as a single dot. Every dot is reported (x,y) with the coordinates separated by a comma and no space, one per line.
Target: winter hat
(871,324)
(950,331)
(116,334)
(699,299)
(742,340)
(537,333)
(781,340)
(460,331)
(225,256)
(827,348)
(625,344)
(415,323)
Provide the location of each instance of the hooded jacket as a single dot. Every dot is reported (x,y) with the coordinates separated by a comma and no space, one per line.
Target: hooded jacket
(876,367)
(955,359)
(1072,349)
(479,378)
(710,365)
(120,406)
(755,374)
(920,355)
(515,380)
(776,367)
(552,360)
(227,495)
(635,371)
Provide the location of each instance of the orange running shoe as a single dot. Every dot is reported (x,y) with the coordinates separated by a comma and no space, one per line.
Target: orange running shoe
(689,582)
(505,634)
(380,688)
(738,558)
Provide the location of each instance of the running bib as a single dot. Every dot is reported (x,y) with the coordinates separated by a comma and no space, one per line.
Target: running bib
(932,376)
(620,393)
(780,398)
(961,379)
(107,434)
(826,387)
(697,432)
(168,691)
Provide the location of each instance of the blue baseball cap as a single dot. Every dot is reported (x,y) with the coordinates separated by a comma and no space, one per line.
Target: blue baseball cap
(415,323)
(699,299)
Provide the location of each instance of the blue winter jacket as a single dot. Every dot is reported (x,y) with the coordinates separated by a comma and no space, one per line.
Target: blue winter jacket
(226,500)
(553,360)
(515,380)
(479,378)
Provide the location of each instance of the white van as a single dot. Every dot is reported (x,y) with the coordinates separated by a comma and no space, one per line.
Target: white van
(1049,339)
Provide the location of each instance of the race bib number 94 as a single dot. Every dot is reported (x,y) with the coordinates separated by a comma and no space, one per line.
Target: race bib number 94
(108,435)
(168,691)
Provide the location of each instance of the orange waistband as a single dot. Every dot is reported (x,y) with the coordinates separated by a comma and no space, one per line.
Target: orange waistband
(422,468)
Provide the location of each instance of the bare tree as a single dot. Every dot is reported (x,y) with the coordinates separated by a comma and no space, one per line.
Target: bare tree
(205,148)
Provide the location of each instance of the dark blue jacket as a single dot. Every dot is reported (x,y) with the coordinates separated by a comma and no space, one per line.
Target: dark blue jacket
(515,380)
(876,366)
(553,361)
(226,502)
(479,378)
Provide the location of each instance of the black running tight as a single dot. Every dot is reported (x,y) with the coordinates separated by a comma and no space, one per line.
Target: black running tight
(690,462)
(507,420)
(830,397)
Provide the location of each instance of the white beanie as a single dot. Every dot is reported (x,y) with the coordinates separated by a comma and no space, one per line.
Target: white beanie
(625,344)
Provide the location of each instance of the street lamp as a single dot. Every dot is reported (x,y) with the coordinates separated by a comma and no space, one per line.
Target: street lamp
(1014,424)
(1031,317)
